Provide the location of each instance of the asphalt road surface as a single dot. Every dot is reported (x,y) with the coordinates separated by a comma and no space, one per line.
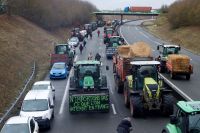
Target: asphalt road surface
(64,122)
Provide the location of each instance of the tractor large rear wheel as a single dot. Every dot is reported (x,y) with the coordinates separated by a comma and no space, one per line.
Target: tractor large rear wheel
(126,96)
(167,105)
(136,106)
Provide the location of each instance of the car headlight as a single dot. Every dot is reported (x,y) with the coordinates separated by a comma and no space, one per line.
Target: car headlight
(63,72)
(51,73)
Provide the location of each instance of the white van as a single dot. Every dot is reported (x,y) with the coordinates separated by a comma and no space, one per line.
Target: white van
(44,85)
(40,105)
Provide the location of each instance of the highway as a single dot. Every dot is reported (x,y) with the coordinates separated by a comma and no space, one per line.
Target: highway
(64,122)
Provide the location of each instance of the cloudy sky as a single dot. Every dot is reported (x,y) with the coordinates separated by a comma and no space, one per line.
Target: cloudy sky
(116,4)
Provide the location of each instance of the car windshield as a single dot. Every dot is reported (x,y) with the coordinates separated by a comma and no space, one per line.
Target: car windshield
(40,87)
(15,128)
(194,122)
(35,105)
(73,39)
(58,66)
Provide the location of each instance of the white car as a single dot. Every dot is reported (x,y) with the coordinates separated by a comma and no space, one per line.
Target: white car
(40,105)
(44,85)
(83,32)
(19,124)
(73,42)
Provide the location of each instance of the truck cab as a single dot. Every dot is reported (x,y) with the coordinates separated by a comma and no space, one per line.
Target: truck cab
(186,119)
(164,51)
(62,53)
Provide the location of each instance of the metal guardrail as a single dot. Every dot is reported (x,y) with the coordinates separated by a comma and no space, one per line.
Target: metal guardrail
(21,93)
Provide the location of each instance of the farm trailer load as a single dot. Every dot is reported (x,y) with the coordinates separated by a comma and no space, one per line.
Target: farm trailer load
(88,88)
(123,57)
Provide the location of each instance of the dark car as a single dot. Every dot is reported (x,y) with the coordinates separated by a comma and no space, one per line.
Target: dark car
(94,26)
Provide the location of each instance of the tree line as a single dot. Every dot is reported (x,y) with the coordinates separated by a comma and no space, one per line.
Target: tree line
(183,13)
(51,14)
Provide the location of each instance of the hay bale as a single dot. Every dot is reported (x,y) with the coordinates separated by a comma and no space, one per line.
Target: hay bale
(138,49)
(179,62)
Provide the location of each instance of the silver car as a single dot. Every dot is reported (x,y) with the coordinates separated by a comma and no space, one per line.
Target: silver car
(73,42)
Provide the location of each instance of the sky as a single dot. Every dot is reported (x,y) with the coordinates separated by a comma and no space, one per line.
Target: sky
(117,4)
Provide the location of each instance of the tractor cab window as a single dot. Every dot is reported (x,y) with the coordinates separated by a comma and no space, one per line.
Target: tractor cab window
(91,70)
(170,50)
(182,121)
(61,49)
(194,123)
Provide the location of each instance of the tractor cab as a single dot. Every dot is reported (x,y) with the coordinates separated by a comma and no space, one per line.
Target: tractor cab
(61,49)
(165,50)
(186,119)
(145,73)
(87,74)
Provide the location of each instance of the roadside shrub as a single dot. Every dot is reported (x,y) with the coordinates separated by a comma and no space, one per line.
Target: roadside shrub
(52,14)
(184,13)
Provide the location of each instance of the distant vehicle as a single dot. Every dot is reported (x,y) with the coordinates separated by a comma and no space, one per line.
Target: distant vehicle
(20,124)
(77,31)
(44,85)
(83,32)
(62,53)
(59,70)
(94,26)
(186,119)
(73,42)
(88,27)
(40,105)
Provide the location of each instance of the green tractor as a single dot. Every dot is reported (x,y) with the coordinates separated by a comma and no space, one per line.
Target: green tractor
(164,51)
(143,90)
(88,88)
(186,119)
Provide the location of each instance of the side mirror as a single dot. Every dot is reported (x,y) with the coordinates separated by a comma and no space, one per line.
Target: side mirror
(173,119)
(107,68)
(51,106)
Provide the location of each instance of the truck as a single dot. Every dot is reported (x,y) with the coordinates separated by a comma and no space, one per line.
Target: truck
(122,58)
(144,90)
(112,45)
(164,51)
(186,119)
(179,65)
(88,88)
(62,53)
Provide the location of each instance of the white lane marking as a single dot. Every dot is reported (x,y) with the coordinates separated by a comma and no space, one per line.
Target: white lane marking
(144,35)
(120,30)
(172,85)
(113,108)
(66,90)
(157,42)
(177,89)
(65,94)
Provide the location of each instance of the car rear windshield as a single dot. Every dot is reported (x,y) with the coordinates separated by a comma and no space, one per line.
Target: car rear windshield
(15,128)
(59,66)
(40,87)
(35,105)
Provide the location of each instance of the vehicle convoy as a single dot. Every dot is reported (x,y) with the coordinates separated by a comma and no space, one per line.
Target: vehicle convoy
(179,65)
(122,58)
(111,46)
(62,53)
(144,91)
(186,119)
(164,51)
(88,88)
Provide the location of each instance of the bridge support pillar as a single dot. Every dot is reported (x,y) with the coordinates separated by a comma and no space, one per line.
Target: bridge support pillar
(121,19)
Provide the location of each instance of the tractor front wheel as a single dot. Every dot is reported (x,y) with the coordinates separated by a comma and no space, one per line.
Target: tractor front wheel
(167,105)
(136,106)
